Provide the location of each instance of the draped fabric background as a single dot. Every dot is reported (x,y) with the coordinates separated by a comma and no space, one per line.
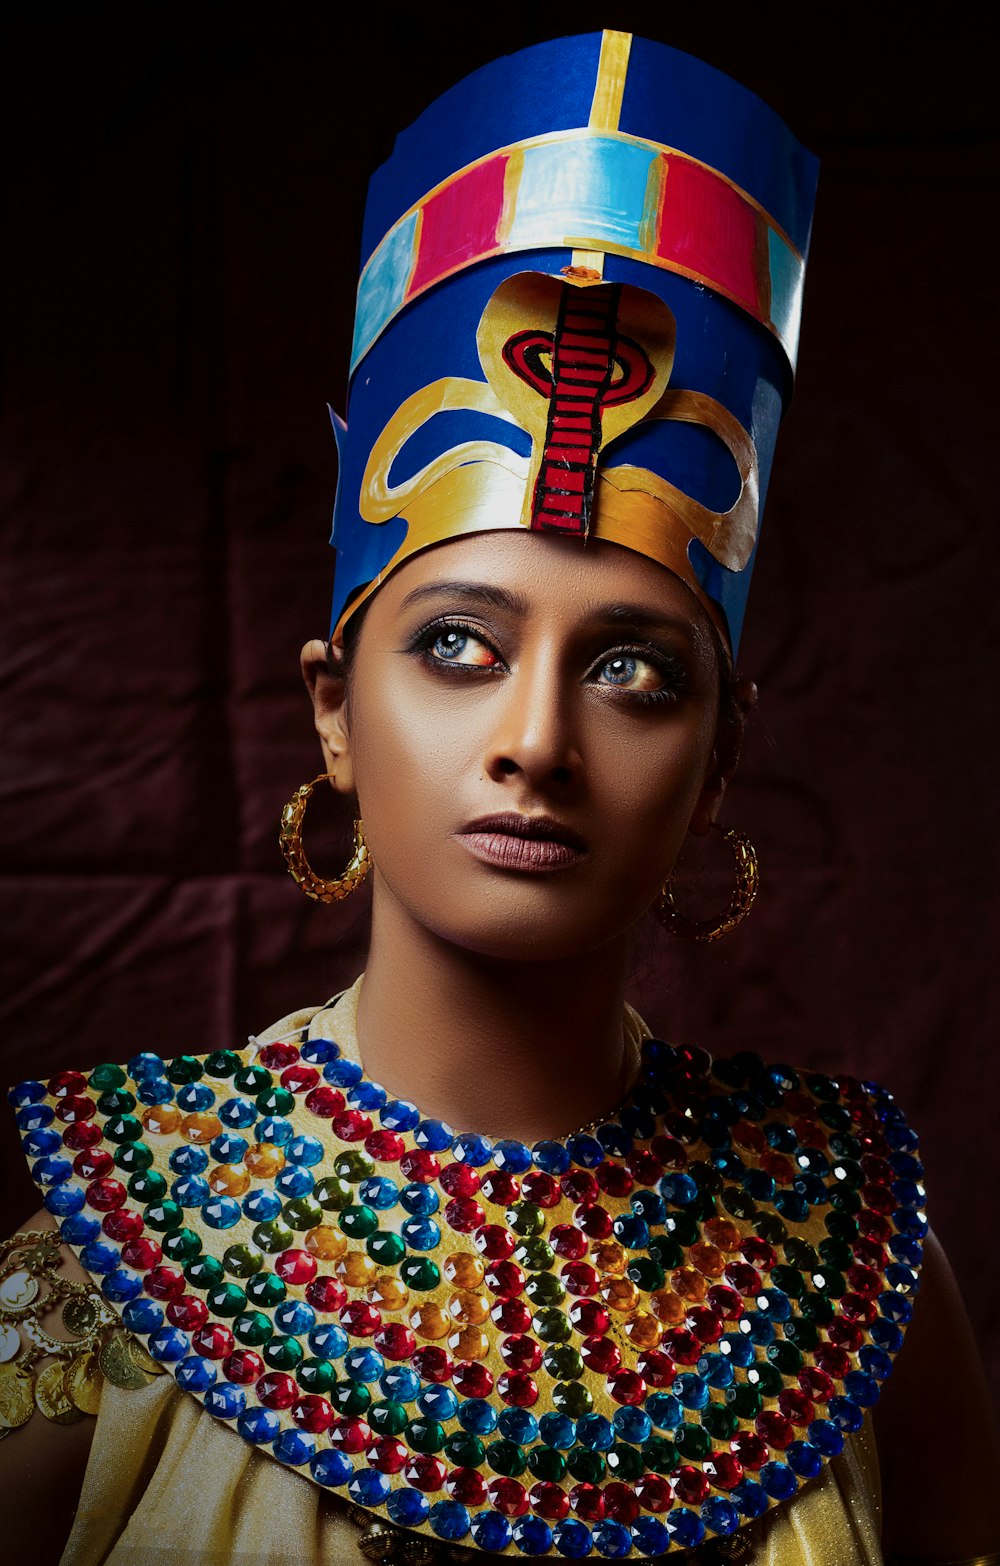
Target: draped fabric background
(184,197)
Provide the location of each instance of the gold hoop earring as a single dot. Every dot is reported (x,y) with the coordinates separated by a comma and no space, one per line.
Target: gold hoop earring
(741,902)
(299,868)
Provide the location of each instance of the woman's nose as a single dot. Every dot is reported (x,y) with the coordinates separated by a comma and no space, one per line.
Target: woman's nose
(535,733)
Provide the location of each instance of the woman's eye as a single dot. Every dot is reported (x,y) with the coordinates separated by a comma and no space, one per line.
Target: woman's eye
(462,647)
(628,671)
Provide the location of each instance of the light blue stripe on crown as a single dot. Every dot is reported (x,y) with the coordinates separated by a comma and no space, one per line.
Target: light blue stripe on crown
(595,187)
(383,284)
(787,276)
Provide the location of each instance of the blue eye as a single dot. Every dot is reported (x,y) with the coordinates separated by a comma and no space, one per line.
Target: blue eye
(628,671)
(450,644)
(620,671)
(456,645)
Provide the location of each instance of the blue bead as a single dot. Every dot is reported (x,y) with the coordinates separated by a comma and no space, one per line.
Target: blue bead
(557,1430)
(316,1052)
(26,1093)
(422,1234)
(169,1344)
(792,1205)
(222,1212)
(33,1116)
(41,1142)
(861,1389)
(517,1424)
(826,1437)
(407,1508)
(294,1446)
(477,1417)
(585,1151)
(433,1136)
(229,1149)
(685,1528)
(717,1370)
(720,1516)
(692,1391)
(121,1285)
(906,1249)
(367,1096)
(761,1329)
(259,1426)
(551,1157)
(638,1122)
(307,1150)
(664,1410)
(400,1115)
(908,1193)
(196,1374)
(469,1148)
(491,1532)
(328,1341)
(51,1171)
(79,1229)
(906,1167)
(437,1402)
(572,1539)
(194,1097)
(142,1316)
(364,1364)
(368,1488)
(343,1073)
(330,1467)
(100,1257)
(511,1156)
(532,1536)
(649,1206)
(262,1205)
(154,1090)
(651,1536)
(237,1112)
(294,1180)
(613,1540)
(910,1222)
(875,1363)
(846,1414)
(64,1200)
(886,1335)
(379,1192)
(419,1199)
(190,1191)
(778,1480)
(595,1432)
(293,1317)
(678,1189)
(806,1460)
(275,1130)
(631,1231)
(400,1384)
(738,1348)
(449,1519)
(632,1424)
(145,1065)
(750,1498)
(225,1400)
(188,1160)
(760,1185)
(614,1140)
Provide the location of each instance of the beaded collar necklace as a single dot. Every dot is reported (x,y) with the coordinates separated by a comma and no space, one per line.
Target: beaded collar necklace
(630,1340)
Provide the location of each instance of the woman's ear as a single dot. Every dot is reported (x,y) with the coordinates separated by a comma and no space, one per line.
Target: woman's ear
(326,681)
(725,756)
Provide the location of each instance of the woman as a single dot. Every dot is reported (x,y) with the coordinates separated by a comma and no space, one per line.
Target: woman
(690,1276)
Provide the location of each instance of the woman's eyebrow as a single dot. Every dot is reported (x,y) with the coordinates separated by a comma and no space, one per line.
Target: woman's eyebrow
(473,594)
(640,617)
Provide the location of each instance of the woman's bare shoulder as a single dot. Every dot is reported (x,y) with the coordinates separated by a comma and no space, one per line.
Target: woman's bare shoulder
(936,1432)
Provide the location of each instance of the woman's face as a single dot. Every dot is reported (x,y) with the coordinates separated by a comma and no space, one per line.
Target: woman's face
(530,730)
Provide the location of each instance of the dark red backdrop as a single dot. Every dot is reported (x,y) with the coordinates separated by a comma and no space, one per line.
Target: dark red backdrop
(185,200)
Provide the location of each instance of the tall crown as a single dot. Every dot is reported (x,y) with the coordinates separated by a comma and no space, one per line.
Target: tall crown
(578,313)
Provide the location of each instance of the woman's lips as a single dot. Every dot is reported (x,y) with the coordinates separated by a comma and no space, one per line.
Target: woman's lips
(529,843)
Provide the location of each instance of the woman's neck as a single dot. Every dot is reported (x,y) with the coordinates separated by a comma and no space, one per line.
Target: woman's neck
(520,1049)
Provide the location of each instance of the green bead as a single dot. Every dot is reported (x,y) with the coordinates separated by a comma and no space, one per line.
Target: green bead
(386,1248)
(350,1397)
(546,1463)
(787,1355)
(316,1375)
(534,1255)
(801,1254)
(552,1326)
(222,1063)
(845,1145)
(703,1207)
(738,1202)
(182,1245)
(253,1080)
(684,1228)
(242,1260)
(283,1353)
(666,1251)
(707,1177)
(253,1327)
(659,1455)
(526,1218)
(625,1462)
(419,1272)
(770,1228)
(814,1308)
(745,1401)
(465,1450)
(266,1290)
(147,1186)
(107,1076)
(564,1363)
(842,1226)
(302,1212)
(545,1289)
(186,1068)
(134,1157)
(164,1215)
(572,1398)
(835,1116)
(387,1417)
(788,1280)
(332,1194)
(273,1237)
(353,1166)
(226,1299)
(845,1200)
(124,1128)
(204,1272)
(116,1101)
(425,1435)
(587,1466)
(692,1441)
(358,1221)
(835,1254)
(506,1457)
(275,1101)
(767,1378)
(721,1423)
(647,1274)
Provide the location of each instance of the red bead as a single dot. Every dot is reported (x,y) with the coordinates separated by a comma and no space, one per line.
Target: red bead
(614,1179)
(434,1364)
(277,1390)
(746,1134)
(567,1241)
(602,1355)
(360,1319)
(386,1147)
(500,1187)
(589,1317)
(726,1301)
(425,1472)
(816,1384)
(388,1455)
(326,1293)
(587,1502)
(464,1215)
(460,1180)
(809,1134)
(467,1486)
(395,1341)
(580,1186)
(165,1283)
(493,1241)
(876,1170)
(123,1224)
(683,1346)
(187,1312)
(743,1278)
(325,1101)
(691,1485)
(243,1366)
(521,1353)
(549,1500)
(420,1165)
(620,1502)
(296,1267)
(671,1152)
(796,1406)
(750,1449)
(593,1220)
(758,1253)
(656,1369)
(313,1413)
(141,1254)
(277,1056)
(93,1164)
(707,1325)
(351,1125)
(846,1335)
(541,1189)
(517,1388)
(66,1084)
(299,1078)
(875,1227)
(105,1195)
(508,1497)
(472,1379)
(505,1279)
(511,1316)
(213,1340)
(870,1253)
(627,1386)
(654,1493)
(350,1435)
(835,1361)
(580,1278)
(778,1167)
(724,1470)
(864,1281)
(775,1429)
(83,1133)
(879,1198)
(857,1309)
(644,1167)
(798,1103)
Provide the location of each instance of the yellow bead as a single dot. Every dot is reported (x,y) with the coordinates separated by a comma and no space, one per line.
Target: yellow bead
(467,1308)
(463,1270)
(469,1343)
(201,1127)
(668,1307)
(708,1259)
(429,1321)
(644,1330)
(325,1243)
(387,1292)
(610,1257)
(161,1119)
(264,1161)
(229,1180)
(689,1283)
(355,1269)
(723,1234)
(621,1295)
